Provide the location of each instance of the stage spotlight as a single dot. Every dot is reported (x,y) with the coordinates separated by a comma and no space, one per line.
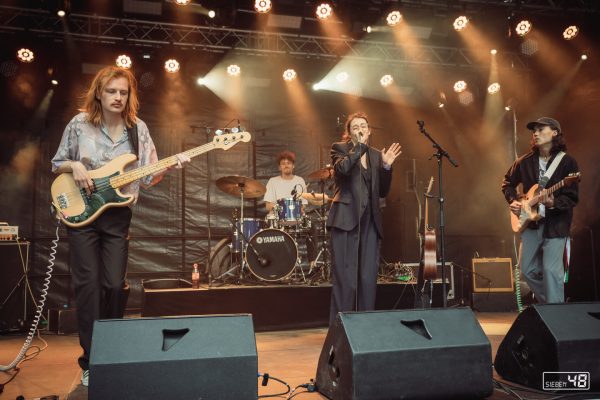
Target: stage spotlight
(465,98)
(386,80)
(200,82)
(324,11)
(460,86)
(529,47)
(584,57)
(523,27)
(493,52)
(394,18)
(289,75)
(570,32)
(493,88)
(172,66)
(211,13)
(54,82)
(342,77)
(147,79)
(507,108)
(234,70)
(124,61)
(61,13)
(316,86)
(263,6)
(441,105)
(460,23)
(182,2)
(369,29)
(25,55)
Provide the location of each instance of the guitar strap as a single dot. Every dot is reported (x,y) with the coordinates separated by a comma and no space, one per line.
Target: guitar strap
(550,171)
(133,140)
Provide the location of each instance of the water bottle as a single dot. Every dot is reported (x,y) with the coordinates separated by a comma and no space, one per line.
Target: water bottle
(195,277)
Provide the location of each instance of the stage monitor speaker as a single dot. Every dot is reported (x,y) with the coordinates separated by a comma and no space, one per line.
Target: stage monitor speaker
(15,306)
(207,357)
(551,338)
(492,275)
(413,354)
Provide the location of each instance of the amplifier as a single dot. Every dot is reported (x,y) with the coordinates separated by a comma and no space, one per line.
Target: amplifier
(493,275)
(8,232)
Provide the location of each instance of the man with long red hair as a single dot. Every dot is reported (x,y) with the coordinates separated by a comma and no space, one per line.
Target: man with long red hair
(106,127)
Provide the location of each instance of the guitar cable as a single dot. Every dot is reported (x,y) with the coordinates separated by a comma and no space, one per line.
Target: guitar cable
(38,314)
(517,273)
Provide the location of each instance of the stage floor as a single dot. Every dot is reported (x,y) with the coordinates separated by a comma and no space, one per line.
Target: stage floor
(288,355)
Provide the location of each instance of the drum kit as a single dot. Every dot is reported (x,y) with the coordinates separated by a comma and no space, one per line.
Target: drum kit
(290,245)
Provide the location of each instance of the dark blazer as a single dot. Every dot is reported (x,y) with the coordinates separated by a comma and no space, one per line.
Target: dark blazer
(526,170)
(345,209)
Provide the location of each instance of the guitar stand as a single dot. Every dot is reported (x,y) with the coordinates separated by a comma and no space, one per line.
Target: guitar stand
(322,231)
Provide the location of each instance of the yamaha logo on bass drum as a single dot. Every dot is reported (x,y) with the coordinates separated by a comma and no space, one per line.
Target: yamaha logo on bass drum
(270,239)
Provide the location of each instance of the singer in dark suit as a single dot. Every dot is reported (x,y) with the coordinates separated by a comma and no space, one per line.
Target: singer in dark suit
(362,175)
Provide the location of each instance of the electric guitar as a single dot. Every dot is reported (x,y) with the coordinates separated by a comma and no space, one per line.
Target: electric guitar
(531,200)
(429,242)
(76,208)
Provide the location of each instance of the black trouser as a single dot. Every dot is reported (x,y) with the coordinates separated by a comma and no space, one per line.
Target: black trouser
(355,265)
(98,258)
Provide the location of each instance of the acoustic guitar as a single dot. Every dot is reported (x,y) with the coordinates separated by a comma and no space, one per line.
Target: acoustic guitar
(429,241)
(76,208)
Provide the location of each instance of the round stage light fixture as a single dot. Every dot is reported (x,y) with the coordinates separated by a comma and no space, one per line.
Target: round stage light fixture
(394,18)
(200,81)
(182,2)
(147,79)
(460,86)
(369,29)
(324,11)
(386,80)
(507,108)
(523,27)
(441,105)
(493,88)
(25,55)
(124,61)
(584,57)
(493,52)
(54,82)
(211,14)
(571,32)
(234,70)
(61,13)
(289,75)
(529,47)
(316,86)
(263,6)
(342,77)
(465,98)
(172,66)
(460,23)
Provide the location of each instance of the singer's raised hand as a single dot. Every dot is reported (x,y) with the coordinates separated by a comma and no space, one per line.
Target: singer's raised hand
(390,155)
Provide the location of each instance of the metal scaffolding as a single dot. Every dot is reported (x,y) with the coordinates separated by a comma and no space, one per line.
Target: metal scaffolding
(132,31)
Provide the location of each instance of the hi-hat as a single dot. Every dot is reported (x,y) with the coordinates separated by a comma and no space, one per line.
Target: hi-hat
(316,199)
(234,184)
(321,174)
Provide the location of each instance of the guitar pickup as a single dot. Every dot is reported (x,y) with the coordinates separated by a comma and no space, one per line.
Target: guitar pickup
(63,201)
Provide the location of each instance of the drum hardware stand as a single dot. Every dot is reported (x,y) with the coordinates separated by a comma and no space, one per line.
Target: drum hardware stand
(324,251)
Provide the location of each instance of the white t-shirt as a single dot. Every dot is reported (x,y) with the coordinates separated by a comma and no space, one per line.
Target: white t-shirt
(279,188)
(543,168)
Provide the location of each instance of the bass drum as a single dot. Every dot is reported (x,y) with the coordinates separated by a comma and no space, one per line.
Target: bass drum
(271,255)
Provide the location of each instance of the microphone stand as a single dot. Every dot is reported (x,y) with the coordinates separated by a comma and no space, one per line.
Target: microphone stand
(439,155)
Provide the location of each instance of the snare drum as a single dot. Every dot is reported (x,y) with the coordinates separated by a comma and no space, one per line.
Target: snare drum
(272,255)
(250,227)
(290,211)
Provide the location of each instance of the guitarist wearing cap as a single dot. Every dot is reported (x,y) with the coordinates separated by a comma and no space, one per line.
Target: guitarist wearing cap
(544,216)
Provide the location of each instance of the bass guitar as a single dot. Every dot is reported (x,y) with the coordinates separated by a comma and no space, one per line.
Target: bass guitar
(76,207)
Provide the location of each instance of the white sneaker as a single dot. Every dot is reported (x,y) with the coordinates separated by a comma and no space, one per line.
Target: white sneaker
(85,377)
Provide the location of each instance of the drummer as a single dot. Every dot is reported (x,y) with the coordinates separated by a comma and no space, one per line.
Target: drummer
(286,184)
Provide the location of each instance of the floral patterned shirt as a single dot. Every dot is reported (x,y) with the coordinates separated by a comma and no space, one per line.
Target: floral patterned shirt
(93,147)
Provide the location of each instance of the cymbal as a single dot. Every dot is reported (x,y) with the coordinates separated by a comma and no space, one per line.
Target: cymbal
(316,199)
(231,185)
(321,174)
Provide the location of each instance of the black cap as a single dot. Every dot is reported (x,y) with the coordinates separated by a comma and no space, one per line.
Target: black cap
(544,121)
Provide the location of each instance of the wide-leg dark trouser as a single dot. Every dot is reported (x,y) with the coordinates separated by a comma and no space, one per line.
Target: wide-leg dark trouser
(355,265)
(98,260)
